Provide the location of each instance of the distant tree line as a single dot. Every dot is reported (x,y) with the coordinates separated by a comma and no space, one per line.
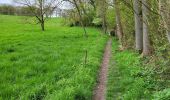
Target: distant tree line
(15,10)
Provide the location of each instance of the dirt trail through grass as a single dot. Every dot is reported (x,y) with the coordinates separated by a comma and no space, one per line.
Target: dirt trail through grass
(99,93)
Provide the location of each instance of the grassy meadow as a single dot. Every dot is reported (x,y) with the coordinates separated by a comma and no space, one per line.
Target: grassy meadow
(48,65)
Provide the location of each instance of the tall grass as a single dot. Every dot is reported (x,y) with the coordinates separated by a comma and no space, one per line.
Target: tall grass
(127,80)
(47,65)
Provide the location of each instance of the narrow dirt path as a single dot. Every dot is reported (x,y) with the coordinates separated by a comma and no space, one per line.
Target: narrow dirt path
(100,90)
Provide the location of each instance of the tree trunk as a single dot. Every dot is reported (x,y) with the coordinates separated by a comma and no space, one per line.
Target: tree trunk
(146,41)
(101,13)
(81,19)
(104,9)
(163,9)
(168,20)
(42,26)
(42,15)
(138,25)
(168,35)
(119,29)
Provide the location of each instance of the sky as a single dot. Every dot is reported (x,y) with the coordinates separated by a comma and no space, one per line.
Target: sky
(64,6)
(6,1)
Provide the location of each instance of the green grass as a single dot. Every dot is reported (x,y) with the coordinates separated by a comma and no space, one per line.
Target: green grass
(127,79)
(48,65)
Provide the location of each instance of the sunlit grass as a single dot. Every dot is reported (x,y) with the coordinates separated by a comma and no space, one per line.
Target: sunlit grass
(47,65)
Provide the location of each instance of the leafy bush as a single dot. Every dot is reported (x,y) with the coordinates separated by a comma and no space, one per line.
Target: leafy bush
(97,22)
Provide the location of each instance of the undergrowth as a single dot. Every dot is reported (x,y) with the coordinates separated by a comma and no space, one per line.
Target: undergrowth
(128,79)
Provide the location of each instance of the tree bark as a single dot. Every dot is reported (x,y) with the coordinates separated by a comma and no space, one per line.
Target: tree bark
(146,41)
(168,35)
(104,9)
(41,14)
(101,13)
(138,25)
(119,29)
(42,26)
(163,9)
(168,22)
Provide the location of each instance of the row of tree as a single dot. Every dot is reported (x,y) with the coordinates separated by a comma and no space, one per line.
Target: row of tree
(140,14)
(13,10)
(143,25)
(144,11)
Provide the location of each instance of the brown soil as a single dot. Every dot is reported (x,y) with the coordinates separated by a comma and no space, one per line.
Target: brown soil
(100,90)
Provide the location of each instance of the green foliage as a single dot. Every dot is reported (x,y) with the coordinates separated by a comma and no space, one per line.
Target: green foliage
(162,95)
(128,24)
(127,79)
(130,79)
(97,22)
(111,20)
(73,18)
(47,65)
(139,79)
